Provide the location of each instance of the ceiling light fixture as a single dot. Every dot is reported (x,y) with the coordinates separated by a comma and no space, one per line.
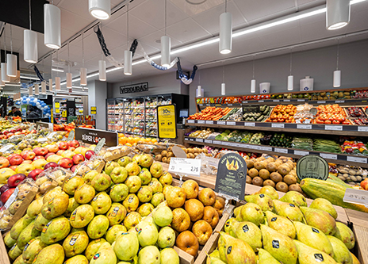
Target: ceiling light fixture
(57,70)
(69,77)
(337,73)
(100,9)
(30,42)
(52,26)
(83,70)
(57,84)
(128,55)
(29,78)
(43,87)
(11,58)
(165,43)
(290,84)
(253,82)
(4,77)
(30,91)
(338,14)
(225,32)
(50,85)
(37,89)
(223,86)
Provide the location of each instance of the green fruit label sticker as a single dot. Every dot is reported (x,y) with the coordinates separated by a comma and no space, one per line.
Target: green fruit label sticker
(13,246)
(46,226)
(72,217)
(318,257)
(292,205)
(96,197)
(73,239)
(261,195)
(275,244)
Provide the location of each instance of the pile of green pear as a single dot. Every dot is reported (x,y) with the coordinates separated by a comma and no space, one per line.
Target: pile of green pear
(269,230)
(117,216)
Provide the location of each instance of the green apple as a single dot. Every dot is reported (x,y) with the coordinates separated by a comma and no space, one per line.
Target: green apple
(116,214)
(132,219)
(145,209)
(131,203)
(88,177)
(156,169)
(101,182)
(133,169)
(156,186)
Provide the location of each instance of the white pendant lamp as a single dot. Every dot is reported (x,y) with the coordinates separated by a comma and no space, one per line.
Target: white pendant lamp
(337,73)
(30,42)
(223,89)
(290,83)
(50,85)
(4,76)
(43,87)
(83,71)
(30,91)
(128,55)
(37,89)
(338,14)
(165,46)
(253,82)
(57,84)
(52,26)
(11,58)
(199,91)
(100,9)
(102,70)
(69,82)
(226,32)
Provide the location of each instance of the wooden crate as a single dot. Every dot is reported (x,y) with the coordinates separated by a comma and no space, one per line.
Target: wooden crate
(4,258)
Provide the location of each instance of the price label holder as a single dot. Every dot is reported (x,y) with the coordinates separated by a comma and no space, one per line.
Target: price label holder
(190,121)
(336,128)
(301,100)
(71,136)
(201,122)
(231,123)
(51,134)
(199,139)
(276,125)
(301,153)
(221,122)
(99,145)
(250,124)
(184,167)
(6,147)
(321,102)
(328,156)
(357,159)
(231,178)
(206,141)
(304,126)
(281,150)
(312,166)
(356,197)
(363,128)
(209,122)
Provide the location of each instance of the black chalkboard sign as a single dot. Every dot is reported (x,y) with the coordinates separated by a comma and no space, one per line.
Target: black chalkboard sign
(312,166)
(251,109)
(231,176)
(93,136)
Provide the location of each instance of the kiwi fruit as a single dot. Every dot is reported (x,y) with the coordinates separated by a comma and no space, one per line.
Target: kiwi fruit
(269,183)
(271,166)
(283,169)
(164,153)
(264,174)
(253,172)
(289,179)
(261,158)
(270,159)
(158,157)
(164,159)
(169,148)
(168,160)
(295,187)
(259,165)
(282,187)
(257,181)
(276,177)
(249,180)
(250,164)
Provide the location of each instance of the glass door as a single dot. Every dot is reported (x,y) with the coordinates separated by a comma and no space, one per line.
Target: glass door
(151,121)
(112,117)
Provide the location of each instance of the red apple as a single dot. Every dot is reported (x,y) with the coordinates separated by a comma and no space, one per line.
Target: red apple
(49,154)
(50,165)
(13,167)
(52,148)
(33,174)
(29,155)
(5,196)
(89,154)
(4,188)
(73,143)
(60,152)
(14,180)
(11,155)
(71,148)
(40,151)
(73,168)
(79,158)
(364,184)
(63,145)
(66,163)
(15,160)
(39,157)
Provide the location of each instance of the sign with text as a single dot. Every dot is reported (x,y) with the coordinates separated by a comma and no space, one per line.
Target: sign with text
(93,136)
(312,166)
(356,197)
(93,110)
(231,176)
(185,166)
(134,88)
(166,121)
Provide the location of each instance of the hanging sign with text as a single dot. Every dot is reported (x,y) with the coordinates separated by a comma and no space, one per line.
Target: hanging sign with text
(134,88)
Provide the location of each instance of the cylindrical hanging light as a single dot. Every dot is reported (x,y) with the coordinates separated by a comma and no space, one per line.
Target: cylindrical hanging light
(338,14)
(50,85)
(337,78)
(199,91)
(52,26)
(57,84)
(165,51)
(30,46)
(37,89)
(11,58)
(43,87)
(4,77)
(253,86)
(128,56)
(83,76)
(225,33)
(30,91)
(102,70)
(100,9)
(69,83)
(290,85)
(223,89)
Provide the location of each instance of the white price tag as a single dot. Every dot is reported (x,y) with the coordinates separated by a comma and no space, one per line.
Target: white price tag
(191,121)
(321,102)
(233,144)
(276,100)
(209,122)
(286,100)
(328,156)
(250,124)
(6,147)
(42,140)
(356,159)
(221,122)
(217,142)
(246,146)
(230,104)
(304,126)
(275,125)
(265,148)
(363,128)
(261,101)
(281,150)
(208,104)
(51,134)
(199,139)
(340,102)
(338,128)
(301,153)
(231,123)
(185,166)
(301,100)
(208,141)
(245,102)
(201,122)
(356,196)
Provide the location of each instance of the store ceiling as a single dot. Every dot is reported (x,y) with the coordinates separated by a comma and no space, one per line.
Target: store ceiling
(188,24)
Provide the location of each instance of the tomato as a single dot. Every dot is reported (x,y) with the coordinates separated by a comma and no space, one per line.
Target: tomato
(327,122)
(319,121)
(335,122)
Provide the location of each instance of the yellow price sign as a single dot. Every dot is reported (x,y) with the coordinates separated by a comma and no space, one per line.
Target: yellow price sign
(57,110)
(57,105)
(64,114)
(166,121)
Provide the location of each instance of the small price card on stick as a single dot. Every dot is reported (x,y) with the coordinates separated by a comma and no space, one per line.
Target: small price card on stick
(185,167)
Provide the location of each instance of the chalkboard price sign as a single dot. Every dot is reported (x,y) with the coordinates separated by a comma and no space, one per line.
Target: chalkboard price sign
(312,166)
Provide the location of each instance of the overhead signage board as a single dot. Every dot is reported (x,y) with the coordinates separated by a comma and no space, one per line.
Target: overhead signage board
(166,121)
(93,136)
(134,88)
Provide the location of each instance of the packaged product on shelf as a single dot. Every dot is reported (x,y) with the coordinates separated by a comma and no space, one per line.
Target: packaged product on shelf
(302,143)
(303,114)
(326,145)
(231,113)
(256,138)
